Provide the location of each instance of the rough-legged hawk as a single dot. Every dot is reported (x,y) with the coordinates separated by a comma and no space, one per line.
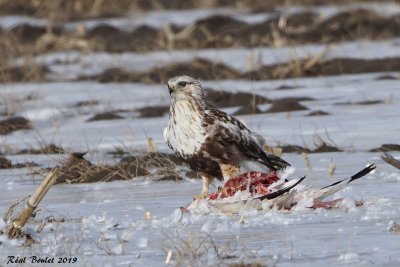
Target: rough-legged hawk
(208,140)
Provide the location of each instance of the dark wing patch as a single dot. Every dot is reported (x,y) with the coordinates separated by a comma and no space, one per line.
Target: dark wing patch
(229,141)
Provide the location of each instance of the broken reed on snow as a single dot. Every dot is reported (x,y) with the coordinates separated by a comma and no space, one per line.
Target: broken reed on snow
(14,227)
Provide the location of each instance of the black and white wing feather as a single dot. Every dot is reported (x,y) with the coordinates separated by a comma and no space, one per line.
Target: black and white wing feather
(229,141)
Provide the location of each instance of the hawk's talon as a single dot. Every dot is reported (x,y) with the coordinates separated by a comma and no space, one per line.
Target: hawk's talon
(200,196)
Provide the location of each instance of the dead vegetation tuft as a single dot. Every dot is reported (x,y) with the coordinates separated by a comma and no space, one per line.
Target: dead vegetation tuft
(105,116)
(207,70)
(386,148)
(12,124)
(77,169)
(5,163)
(48,149)
(66,10)
(394,227)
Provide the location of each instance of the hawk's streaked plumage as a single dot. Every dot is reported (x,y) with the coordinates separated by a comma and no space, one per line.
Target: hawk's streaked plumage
(211,142)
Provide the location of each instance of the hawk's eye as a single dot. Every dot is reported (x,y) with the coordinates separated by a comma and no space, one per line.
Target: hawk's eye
(182,84)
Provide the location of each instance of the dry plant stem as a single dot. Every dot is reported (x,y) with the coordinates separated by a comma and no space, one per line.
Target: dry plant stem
(14,228)
(391,160)
(306,161)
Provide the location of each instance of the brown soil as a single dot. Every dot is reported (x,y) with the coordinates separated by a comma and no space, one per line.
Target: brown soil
(294,149)
(221,98)
(218,32)
(386,148)
(199,68)
(387,77)
(112,39)
(336,66)
(105,116)
(152,111)
(364,102)
(285,87)
(324,148)
(206,70)
(285,106)
(318,113)
(14,124)
(5,163)
(49,149)
(248,110)
(32,73)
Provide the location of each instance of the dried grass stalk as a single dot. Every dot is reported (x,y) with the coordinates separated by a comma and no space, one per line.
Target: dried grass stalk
(331,168)
(277,151)
(391,160)
(306,161)
(14,228)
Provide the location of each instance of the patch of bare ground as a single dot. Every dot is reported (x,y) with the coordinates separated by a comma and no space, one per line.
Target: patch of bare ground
(152,111)
(79,170)
(5,163)
(337,66)
(318,113)
(199,68)
(12,124)
(217,98)
(386,148)
(248,110)
(48,149)
(105,116)
(387,77)
(212,32)
(363,102)
(294,149)
(285,106)
(221,31)
(207,70)
(31,73)
(222,98)
(323,147)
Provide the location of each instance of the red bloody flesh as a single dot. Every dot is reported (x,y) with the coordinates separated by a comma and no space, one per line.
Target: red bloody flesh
(256,182)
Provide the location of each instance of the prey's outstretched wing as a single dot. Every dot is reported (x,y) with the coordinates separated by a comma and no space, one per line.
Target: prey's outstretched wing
(229,141)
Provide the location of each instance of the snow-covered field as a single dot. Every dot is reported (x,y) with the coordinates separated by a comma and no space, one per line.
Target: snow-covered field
(138,222)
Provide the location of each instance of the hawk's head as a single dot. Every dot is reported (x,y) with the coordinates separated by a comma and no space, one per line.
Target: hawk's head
(185,86)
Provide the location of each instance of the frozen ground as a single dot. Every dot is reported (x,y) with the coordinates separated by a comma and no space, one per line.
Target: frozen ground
(138,222)
(106,222)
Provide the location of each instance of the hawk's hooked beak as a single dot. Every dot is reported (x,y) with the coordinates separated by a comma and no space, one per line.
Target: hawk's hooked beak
(170,89)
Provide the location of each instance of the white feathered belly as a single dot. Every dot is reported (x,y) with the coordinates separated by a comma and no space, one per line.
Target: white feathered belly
(184,132)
